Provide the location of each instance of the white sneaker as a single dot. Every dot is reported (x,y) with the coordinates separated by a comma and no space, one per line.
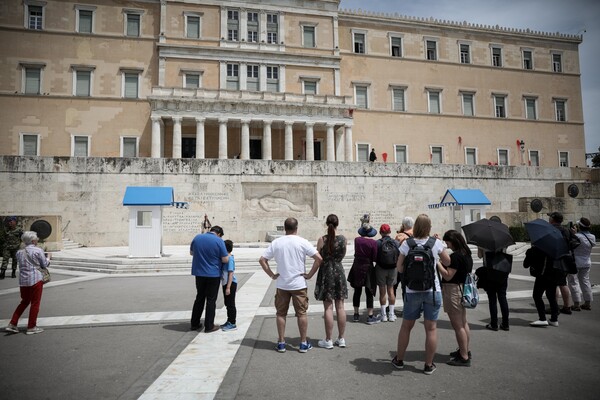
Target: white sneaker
(553,323)
(34,330)
(12,328)
(326,344)
(341,342)
(382,318)
(392,317)
(539,323)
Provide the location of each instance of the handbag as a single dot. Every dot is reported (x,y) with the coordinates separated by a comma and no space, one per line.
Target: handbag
(44,271)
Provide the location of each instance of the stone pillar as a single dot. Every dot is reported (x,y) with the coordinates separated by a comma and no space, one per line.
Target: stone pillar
(223,138)
(349,143)
(266,142)
(155,137)
(289,140)
(176,137)
(340,147)
(200,137)
(245,154)
(330,142)
(310,144)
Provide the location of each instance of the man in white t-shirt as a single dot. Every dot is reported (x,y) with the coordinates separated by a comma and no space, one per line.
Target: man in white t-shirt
(290,253)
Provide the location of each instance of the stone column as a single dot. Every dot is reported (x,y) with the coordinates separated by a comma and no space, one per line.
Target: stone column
(289,140)
(223,138)
(245,154)
(340,148)
(176,137)
(200,137)
(266,142)
(310,144)
(349,143)
(155,136)
(330,142)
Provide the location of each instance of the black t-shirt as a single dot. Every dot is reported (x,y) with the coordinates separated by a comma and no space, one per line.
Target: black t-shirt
(463,264)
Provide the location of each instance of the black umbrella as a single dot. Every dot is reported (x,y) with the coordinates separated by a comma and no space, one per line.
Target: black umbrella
(547,238)
(489,235)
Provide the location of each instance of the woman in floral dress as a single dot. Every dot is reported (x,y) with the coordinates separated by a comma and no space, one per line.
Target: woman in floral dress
(331,286)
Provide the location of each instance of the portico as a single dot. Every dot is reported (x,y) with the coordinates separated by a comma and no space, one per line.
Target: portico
(249,125)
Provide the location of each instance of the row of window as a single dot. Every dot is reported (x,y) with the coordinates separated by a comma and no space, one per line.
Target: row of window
(80,145)
(431,47)
(32,80)
(234,25)
(436,155)
(434,96)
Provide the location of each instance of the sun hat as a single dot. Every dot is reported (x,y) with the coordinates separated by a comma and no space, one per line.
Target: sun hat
(367,230)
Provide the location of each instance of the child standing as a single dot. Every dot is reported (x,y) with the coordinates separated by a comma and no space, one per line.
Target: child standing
(229,283)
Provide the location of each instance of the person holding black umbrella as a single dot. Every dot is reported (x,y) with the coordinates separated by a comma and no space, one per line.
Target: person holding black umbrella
(556,219)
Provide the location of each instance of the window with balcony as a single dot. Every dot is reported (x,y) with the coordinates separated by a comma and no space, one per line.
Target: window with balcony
(359,40)
(398,100)
(192,26)
(133,21)
(192,80)
(396,46)
(253,27)
(465,53)
(233,25)
(272,79)
(502,157)
(530,108)
(534,158)
(129,146)
(560,107)
(496,56)
(468,104)
(527,59)
(80,146)
(431,50)
(557,62)
(435,101)
(308,36)
(252,78)
(401,152)
(471,156)
(500,106)
(362,152)
(29,144)
(84,19)
(34,14)
(309,87)
(563,159)
(437,155)
(233,77)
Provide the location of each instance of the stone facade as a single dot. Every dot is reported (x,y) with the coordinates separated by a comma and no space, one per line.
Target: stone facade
(250,198)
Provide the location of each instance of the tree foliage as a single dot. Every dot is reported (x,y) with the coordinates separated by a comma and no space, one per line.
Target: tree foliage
(596,161)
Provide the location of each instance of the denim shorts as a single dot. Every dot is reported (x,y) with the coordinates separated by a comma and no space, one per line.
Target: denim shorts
(427,302)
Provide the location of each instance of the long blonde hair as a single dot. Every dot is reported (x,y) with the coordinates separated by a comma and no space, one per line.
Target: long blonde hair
(422,227)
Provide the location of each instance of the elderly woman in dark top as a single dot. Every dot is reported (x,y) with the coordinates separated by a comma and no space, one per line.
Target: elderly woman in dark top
(30,259)
(453,278)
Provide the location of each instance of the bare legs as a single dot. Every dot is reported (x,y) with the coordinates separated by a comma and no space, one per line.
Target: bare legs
(328,316)
(459,323)
(430,339)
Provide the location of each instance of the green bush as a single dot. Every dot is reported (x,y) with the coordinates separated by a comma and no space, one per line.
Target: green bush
(518,233)
(595,230)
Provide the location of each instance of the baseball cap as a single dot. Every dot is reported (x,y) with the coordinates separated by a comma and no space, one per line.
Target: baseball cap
(555,215)
(385,228)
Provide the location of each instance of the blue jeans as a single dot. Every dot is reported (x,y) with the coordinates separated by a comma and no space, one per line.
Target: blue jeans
(427,302)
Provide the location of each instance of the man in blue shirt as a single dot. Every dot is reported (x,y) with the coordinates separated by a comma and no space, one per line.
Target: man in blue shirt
(208,254)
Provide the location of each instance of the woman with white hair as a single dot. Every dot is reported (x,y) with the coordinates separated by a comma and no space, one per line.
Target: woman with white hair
(579,283)
(30,259)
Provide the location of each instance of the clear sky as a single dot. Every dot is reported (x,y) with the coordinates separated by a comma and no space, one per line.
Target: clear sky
(571,17)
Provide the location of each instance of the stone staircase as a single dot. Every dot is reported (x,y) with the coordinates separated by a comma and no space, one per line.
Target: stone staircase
(69,244)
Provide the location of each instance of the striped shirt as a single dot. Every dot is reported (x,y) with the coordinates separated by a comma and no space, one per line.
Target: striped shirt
(29,258)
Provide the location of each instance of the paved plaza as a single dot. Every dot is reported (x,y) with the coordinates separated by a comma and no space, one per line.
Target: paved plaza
(126,336)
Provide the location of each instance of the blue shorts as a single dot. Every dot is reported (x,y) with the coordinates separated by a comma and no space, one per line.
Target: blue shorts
(415,303)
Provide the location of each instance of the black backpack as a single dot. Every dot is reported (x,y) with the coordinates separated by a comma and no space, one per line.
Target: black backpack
(387,254)
(419,265)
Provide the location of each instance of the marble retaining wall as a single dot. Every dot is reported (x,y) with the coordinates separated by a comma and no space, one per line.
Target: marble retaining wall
(250,198)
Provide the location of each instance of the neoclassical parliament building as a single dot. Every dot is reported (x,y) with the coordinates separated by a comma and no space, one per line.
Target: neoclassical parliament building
(283,80)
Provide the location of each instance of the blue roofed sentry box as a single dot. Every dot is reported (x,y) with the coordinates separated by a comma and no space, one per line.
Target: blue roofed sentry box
(148,196)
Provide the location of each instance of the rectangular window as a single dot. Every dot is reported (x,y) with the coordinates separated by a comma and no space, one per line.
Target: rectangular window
(252,17)
(561,110)
(502,157)
(310,87)
(35,17)
(252,26)
(465,54)
(468,106)
(534,158)
(80,146)
(431,50)
(252,36)
(85,20)
(144,219)
(32,80)
(362,152)
(361,96)
(401,153)
(192,81)
(563,158)
(83,83)
(308,36)
(359,42)
(396,45)
(131,85)
(272,28)
(527,59)
(29,145)
(233,77)
(252,75)
(434,102)
(437,155)
(500,106)
(556,62)
(272,79)
(233,25)
(133,24)
(530,108)
(398,99)
(192,23)
(496,56)
(471,156)
(129,147)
